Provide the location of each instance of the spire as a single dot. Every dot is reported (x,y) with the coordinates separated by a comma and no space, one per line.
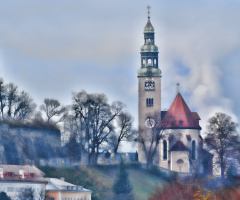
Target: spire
(148,12)
(149,52)
(148,28)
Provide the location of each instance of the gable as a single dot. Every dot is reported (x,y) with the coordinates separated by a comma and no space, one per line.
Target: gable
(180,116)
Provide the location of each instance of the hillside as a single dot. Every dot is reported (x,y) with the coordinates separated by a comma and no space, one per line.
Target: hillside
(100,179)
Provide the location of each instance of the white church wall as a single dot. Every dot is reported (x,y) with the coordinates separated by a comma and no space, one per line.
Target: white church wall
(176,164)
(178,134)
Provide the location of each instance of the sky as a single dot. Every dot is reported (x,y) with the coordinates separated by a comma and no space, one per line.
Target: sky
(53,48)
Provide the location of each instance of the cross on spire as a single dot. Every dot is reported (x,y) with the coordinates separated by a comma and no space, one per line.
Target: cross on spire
(178,84)
(148,12)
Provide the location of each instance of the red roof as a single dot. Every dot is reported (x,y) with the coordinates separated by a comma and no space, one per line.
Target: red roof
(180,116)
(11,173)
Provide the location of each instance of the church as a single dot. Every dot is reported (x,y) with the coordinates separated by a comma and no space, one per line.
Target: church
(169,139)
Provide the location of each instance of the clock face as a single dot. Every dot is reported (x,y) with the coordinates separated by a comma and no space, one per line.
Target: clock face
(149,122)
(149,85)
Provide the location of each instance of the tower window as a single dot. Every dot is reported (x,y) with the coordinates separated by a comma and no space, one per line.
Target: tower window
(164,150)
(180,122)
(149,102)
(193,150)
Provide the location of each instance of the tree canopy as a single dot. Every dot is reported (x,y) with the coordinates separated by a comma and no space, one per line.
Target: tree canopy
(222,139)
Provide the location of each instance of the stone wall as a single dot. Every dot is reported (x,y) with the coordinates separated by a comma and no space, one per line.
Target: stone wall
(27,145)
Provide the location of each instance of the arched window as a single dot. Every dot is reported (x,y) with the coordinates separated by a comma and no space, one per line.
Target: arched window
(193,150)
(164,150)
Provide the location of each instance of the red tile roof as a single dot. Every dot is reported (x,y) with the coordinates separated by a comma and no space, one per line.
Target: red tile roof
(31,174)
(180,116)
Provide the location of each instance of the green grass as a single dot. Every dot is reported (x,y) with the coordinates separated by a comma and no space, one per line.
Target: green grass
(100,179)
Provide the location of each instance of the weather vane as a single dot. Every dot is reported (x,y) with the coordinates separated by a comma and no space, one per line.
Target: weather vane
(148,11)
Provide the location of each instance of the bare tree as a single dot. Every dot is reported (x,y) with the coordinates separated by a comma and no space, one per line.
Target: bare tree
(96,116)
(12,98)
(52,108)
(222,139)
(31,194)
(24,106)
(27,194)
(125,131)
(150,142)
(2,97)
(19,106)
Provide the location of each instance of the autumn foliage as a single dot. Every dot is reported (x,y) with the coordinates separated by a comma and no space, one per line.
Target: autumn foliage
(173,191)
(191,191)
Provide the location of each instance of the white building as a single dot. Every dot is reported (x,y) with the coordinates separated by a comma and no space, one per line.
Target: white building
(58,189)
(14,179)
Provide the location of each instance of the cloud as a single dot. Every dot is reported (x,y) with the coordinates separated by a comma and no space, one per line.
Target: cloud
(202,39)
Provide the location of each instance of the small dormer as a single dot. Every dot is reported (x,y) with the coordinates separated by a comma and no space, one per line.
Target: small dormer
(79,187)
(9,174)
(26,174)
(31,175)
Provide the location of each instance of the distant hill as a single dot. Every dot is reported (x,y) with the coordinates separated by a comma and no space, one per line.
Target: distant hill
(22,143)
(100,179)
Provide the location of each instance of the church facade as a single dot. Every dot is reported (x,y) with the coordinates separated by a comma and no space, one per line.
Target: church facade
(169,139)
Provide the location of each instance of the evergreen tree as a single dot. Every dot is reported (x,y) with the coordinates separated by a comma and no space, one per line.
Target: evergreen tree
(4,196)
(136,156)
(122,187)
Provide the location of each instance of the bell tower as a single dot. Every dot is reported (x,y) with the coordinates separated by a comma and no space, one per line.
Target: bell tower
(149,86)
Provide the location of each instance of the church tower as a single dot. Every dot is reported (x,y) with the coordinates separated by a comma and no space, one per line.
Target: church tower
(149,86)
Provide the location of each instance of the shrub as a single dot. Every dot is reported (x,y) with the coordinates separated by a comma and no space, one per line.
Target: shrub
(4,196)
(173,191)
(228,193)
(204,195)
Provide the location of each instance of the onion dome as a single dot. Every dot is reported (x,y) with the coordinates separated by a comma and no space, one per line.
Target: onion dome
(149,27)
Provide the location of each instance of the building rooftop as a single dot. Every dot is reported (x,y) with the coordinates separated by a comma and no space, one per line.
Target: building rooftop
(55,184)
(21,173)
(180,116)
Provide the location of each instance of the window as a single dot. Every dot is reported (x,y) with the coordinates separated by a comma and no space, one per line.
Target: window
(149,102)
(193,150)
(180,122)
(164,150)
(180,164)
(52,198)
(10,189)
